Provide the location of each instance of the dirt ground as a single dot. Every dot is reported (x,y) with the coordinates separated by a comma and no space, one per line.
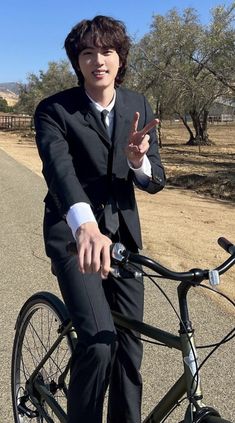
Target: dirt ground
(209,170)
(180,227)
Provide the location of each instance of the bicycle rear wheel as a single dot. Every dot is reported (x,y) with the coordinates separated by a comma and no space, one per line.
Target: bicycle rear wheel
(37,328)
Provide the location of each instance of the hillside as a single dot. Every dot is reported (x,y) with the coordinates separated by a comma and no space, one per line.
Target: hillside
(9,91)
(12,87)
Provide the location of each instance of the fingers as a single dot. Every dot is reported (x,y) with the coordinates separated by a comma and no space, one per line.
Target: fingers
(95,258)
(105,262)
(90,260)
(136,137)
(135,122)
(137,152)
(93,250)
(141,146)
(149,126)
(144,145)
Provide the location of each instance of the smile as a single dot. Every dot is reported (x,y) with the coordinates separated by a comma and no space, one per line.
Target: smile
(99,73)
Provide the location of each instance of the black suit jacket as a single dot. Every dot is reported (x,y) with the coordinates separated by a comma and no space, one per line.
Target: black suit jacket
(81,163)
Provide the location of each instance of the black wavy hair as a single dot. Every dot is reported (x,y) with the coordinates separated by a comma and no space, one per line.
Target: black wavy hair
(104,32)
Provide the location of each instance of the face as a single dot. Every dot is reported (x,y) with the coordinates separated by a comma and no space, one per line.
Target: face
(99,67)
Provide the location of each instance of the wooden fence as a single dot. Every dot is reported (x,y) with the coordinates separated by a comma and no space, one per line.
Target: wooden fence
(12,122)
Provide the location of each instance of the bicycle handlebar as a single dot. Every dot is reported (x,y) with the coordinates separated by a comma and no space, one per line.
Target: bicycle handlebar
(120,255)
(226,245)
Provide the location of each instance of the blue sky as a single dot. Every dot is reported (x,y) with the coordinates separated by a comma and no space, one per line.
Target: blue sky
(32,33)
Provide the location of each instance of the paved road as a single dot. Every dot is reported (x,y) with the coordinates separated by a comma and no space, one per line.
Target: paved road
(25,270)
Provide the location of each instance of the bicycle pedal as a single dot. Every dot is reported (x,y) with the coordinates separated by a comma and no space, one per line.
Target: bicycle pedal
(26,411)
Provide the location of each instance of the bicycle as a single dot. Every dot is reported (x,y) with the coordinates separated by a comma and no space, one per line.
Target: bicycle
(45,338)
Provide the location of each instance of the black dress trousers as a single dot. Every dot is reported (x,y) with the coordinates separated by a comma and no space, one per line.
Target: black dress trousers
(104,356)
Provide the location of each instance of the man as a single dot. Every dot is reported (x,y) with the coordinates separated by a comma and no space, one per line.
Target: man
(95,141)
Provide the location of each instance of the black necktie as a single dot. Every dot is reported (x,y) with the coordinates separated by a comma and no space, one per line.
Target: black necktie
(111,216)
(104,113)
(110,211)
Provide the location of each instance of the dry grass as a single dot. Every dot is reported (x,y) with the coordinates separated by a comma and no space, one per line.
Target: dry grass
(209,170)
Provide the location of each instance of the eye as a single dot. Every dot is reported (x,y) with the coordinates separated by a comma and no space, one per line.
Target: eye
(108,51)
(86,52)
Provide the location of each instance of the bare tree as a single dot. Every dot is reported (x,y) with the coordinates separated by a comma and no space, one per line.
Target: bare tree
(185,66)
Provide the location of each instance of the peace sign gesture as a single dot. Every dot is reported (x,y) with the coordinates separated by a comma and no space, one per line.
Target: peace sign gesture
(138,144)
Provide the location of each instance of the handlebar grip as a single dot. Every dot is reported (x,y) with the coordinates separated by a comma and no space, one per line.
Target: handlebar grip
(117,251)
(226,245)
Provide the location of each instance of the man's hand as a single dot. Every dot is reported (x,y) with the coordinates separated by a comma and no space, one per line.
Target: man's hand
(138,144)
(93,249)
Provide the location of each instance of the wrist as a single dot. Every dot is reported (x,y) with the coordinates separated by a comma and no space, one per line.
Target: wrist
(136,164)
(85,227)
(78,214)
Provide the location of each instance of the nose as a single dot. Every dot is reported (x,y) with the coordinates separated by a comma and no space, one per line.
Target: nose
(99,59)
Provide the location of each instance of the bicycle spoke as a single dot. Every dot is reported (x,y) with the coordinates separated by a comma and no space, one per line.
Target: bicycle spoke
(39,331)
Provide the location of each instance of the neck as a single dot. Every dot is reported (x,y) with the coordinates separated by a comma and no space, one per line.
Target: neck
(103,97)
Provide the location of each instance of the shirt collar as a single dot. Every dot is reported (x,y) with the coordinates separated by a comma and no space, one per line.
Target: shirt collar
(101,108)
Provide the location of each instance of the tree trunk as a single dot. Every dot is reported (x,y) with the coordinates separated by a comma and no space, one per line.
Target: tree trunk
(159,126)
(205,135)
(184,120)
(200,126)
(159,133)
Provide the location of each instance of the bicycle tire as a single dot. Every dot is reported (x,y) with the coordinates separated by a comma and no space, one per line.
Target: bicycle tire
(37,327)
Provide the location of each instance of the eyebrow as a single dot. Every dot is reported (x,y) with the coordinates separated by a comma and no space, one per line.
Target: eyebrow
(94,47)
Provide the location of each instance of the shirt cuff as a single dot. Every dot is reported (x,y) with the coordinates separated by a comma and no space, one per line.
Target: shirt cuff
(78,214)
(143,173)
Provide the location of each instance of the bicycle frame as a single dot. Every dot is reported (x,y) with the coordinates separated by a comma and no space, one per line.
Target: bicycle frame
(188,383)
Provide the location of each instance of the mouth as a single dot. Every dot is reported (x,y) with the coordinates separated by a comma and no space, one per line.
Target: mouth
(100,73)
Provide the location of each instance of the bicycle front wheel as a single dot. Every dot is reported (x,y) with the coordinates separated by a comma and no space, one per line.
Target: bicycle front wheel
(37,328)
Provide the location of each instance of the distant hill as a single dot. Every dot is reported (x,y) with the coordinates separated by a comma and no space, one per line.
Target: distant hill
(10,86)
(9,91)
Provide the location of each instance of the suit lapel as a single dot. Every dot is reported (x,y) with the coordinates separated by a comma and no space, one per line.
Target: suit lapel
(122,123)
(122,127)
(92,117)
(94,121)
(121,120)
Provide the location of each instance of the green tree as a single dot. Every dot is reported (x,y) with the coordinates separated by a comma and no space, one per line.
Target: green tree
(3,105)
(58,77)
(184,66)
